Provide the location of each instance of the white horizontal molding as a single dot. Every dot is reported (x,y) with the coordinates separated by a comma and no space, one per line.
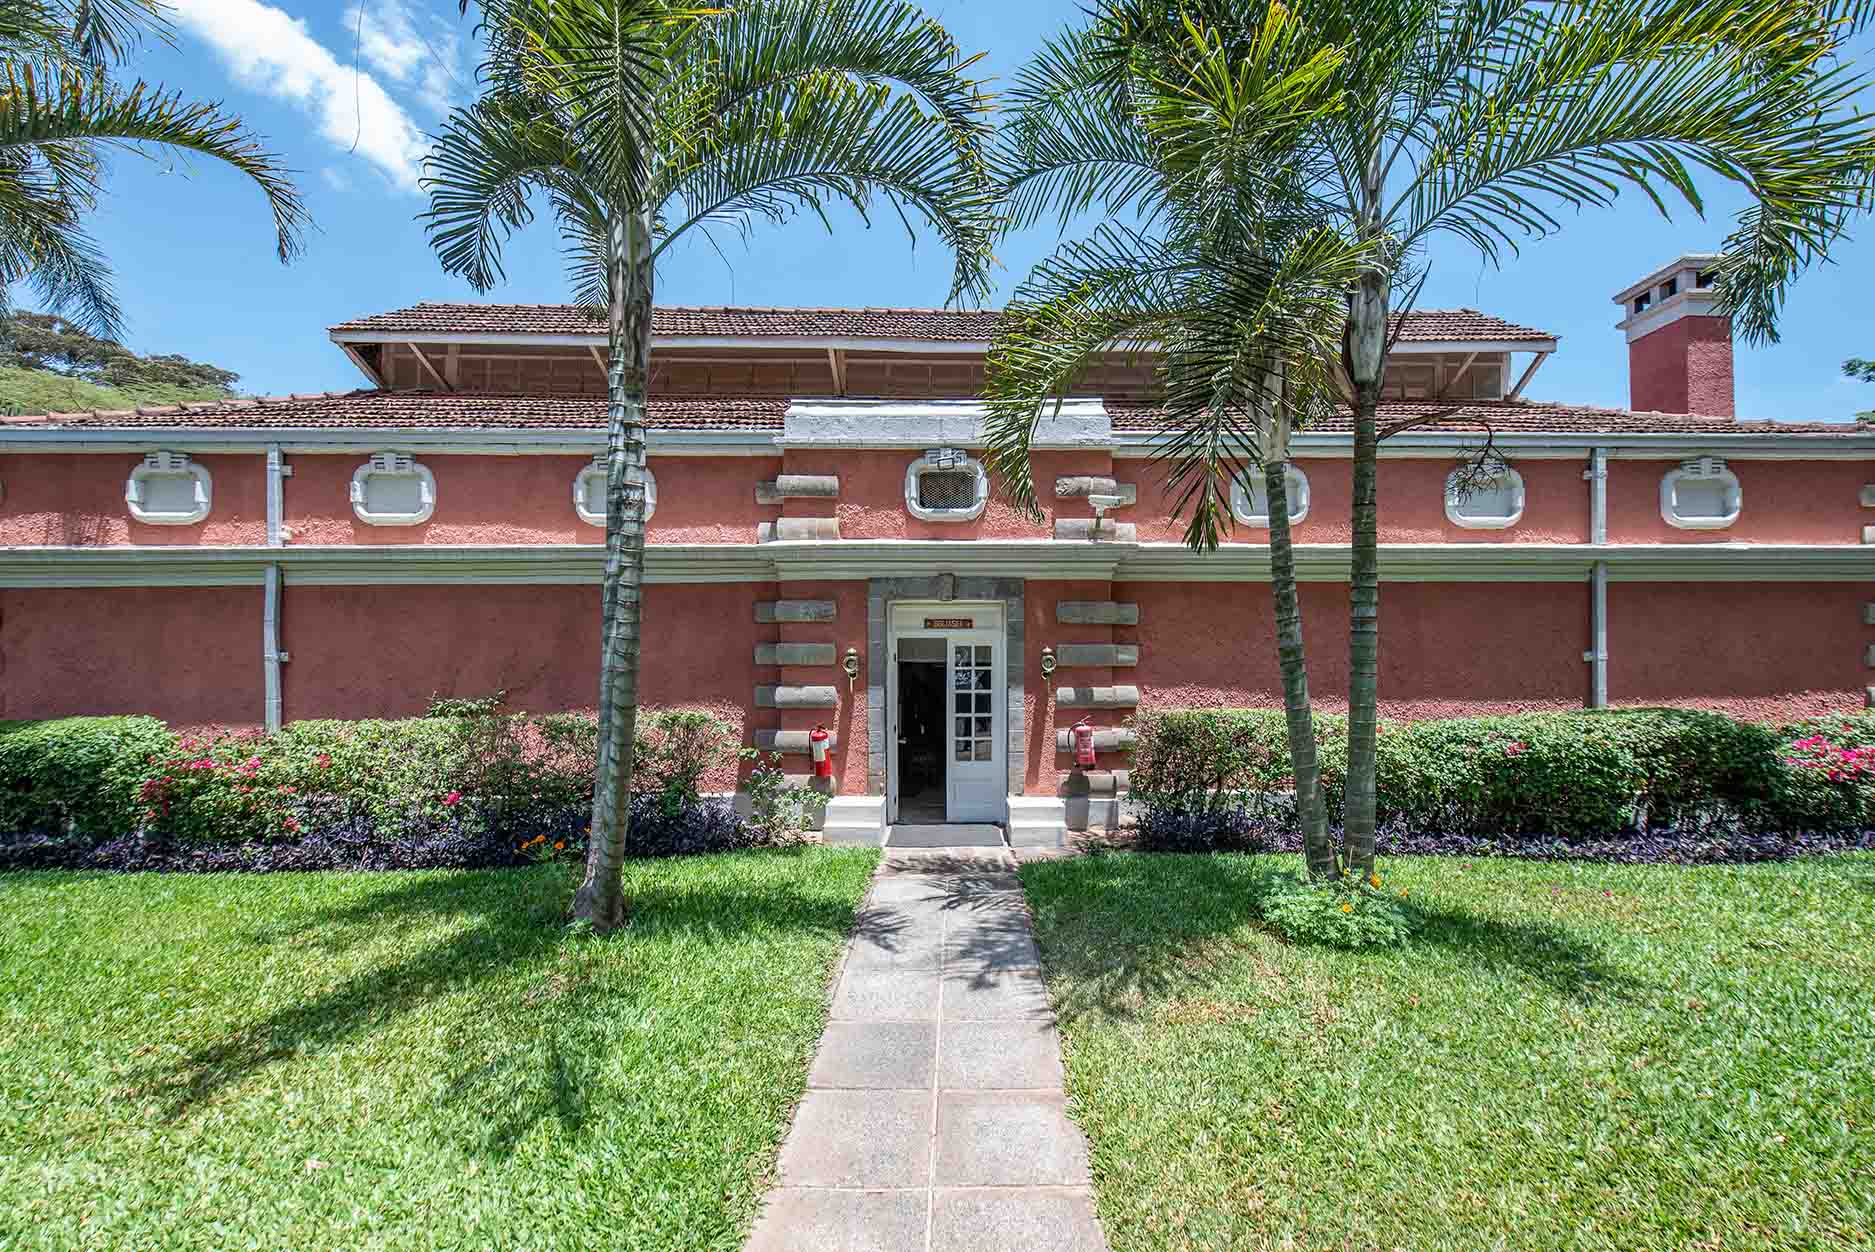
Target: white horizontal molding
(812,343)
(1853,444)
(478,441)
(933,423)
(358,564)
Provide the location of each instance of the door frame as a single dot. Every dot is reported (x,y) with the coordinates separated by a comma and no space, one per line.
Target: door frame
(995,633)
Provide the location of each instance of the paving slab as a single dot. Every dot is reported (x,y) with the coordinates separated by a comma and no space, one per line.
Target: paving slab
(895,1056)
(943,835)
(1015,1219)
(988,1056)
(795,1219)
(1007,1138)
(994,995)
(859,1139)
(887,995)
(934,1119)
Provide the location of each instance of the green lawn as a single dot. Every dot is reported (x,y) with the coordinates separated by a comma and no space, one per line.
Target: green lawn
(1568,1057)
(407,1061)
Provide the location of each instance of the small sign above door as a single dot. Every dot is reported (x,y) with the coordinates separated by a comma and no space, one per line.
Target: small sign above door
(950,623)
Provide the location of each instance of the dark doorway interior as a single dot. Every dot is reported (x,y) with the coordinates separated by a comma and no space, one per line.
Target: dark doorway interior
(921,737)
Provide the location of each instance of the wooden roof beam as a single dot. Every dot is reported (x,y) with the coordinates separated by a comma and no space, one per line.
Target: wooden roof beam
(428,368)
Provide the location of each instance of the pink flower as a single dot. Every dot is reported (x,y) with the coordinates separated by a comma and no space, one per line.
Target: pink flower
(323,760)
(1516,749)
(453,797)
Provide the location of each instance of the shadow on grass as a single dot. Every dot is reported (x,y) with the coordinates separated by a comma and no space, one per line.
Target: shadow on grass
(1129,930)
(502,922)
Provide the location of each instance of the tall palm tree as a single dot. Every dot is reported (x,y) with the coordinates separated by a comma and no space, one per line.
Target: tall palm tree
(1485,119)
(641,121)
(1226,278)
(62,113)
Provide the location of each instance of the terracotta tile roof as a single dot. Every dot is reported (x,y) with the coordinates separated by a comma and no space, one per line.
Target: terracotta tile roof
(1528,416)
(432,410)
(428,410)
(929,325)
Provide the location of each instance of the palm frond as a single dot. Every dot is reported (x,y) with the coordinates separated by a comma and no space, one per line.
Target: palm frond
(807,141)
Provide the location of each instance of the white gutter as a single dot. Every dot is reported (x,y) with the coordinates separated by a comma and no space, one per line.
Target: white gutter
(1538,445)
(1597,655)
(271,656)
(583,564)
(484,441)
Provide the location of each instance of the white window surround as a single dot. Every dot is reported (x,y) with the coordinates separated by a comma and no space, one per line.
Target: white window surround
(947,461)
(393,489)
(1253,509)
(589,491)
(169,489)
(1495,507)
(1702,494)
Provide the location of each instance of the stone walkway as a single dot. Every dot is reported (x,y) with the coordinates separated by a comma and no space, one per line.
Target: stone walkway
(934,1118)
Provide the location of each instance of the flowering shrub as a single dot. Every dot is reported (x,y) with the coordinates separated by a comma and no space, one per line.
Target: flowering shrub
(219,788)
(1344,913)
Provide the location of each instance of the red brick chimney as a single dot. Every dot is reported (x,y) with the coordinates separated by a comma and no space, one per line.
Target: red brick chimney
(1679,350)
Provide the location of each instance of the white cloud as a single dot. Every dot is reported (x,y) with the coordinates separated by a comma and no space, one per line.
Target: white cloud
(336,178)
(414,50)
(269,51)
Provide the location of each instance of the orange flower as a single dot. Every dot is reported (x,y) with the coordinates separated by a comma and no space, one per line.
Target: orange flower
(1347,907)
(559,845)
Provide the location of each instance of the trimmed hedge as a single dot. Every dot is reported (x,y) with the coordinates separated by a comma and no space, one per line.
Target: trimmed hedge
(75,774)
(455,789)
(1209,775)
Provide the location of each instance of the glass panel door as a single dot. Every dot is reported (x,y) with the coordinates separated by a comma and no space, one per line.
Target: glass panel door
(976,785)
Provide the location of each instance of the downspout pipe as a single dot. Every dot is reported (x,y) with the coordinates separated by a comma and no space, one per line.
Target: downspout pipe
(1597,655)
(271,656)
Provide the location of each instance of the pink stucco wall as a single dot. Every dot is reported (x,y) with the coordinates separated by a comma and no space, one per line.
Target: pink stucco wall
(65,498)
(872,496)
(847,721)
(1755,650)
(1447,649)
(384,651)
(1045,768)
(528,499)
(1784,502)
(1412,504)
(190,655)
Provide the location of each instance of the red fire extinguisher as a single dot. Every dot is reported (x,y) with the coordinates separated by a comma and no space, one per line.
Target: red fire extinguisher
(1083,742)
(817,748)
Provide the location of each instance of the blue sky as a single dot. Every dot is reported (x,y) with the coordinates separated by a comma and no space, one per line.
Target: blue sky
(195,266)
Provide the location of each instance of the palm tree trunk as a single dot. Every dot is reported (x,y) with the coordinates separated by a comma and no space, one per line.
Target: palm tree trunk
(1365,356)
(600,900)
(1311,810)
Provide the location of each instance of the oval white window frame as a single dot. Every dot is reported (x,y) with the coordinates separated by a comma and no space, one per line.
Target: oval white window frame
(948,461)
(1705,467)
(1473,521)
(169,465)
(394,465)
(597,470)
(1298,483)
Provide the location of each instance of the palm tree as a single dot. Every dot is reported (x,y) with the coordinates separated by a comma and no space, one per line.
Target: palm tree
(1484,119)
(62,113)
(640,121)
(1227,278)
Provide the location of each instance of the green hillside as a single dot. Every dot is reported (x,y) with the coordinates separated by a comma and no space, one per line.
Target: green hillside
(49,365)
(40,391)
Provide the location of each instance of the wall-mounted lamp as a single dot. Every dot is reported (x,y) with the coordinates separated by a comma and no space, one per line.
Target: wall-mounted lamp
(1048,665)
(851,666)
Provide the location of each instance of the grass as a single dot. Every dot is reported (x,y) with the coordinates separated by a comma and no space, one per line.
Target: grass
(408,1061)
(41,391)
(1568,1056)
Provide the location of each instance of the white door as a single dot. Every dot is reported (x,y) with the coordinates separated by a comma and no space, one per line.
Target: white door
(975,788)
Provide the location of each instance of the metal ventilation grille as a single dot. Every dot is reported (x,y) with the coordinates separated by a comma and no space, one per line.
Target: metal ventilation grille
(947,489)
